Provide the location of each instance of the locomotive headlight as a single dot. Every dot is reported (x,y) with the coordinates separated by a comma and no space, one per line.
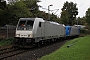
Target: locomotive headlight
(17,35)
(30,35)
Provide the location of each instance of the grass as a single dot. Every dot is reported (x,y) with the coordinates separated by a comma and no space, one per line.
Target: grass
(79,49)
(6,42)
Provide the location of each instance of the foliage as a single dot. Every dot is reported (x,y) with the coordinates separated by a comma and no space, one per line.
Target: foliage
(2,4)
(32,6)
(81,21)
(64,17)
(11,13)
(42,14)
(3,17)
(78,50)
(69,12)
(84,32)
(6,42)
(88,16)
(53,17)
(2,11)
(88,19)
(19,10)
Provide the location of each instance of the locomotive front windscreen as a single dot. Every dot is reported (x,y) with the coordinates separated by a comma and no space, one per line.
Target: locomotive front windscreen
(25,25)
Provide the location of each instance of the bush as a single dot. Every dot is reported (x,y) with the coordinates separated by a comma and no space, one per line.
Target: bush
(84,31)
(5,42)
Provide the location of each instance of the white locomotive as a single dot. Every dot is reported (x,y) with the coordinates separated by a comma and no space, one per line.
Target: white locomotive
(33,30)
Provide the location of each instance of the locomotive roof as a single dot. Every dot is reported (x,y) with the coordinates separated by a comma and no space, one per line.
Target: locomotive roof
(27,19)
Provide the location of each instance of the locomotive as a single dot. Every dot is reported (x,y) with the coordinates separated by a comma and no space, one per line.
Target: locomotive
(32,31)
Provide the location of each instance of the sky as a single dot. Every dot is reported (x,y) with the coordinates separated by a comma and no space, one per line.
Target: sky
(82,6)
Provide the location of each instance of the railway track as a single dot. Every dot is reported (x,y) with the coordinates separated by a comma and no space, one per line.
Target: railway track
(9,52)
(13,52)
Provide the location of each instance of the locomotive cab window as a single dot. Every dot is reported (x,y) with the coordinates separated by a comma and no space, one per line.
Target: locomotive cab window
(22,23)
(30,23)
(27,24)
(39,24)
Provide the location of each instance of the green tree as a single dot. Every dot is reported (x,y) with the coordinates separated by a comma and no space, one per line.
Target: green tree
(32,6)
(53,17)
(22,9)
(88,19)
(69,12)
(64,17)
(2,12)
(19,10)
(42,14)
(88,16)
(1,16)
(81,21)
(13,12)
(2,5)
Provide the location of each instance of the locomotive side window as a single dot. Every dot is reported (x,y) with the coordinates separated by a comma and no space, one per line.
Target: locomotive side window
(39,24)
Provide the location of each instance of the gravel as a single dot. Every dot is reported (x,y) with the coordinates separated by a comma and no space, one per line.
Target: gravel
(38,52)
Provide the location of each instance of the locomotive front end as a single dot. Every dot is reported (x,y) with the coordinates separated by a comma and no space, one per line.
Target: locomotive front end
(24,32)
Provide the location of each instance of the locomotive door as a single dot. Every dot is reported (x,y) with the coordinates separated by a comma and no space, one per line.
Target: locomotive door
(43,29)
